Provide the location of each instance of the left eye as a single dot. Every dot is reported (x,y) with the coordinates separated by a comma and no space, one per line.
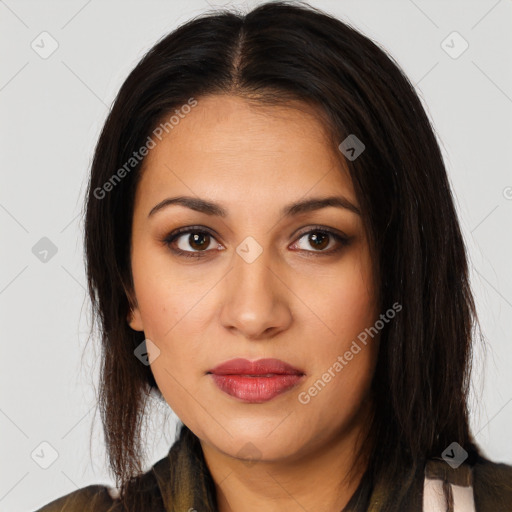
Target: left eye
(319,239)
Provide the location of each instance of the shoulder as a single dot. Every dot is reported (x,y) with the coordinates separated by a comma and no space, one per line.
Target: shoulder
(492,483)
(95,498)
(142,492)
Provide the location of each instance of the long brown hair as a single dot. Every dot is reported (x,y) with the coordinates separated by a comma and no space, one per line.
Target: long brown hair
(277,52)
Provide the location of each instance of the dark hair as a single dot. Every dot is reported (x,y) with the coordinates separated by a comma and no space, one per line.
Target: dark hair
(286,51)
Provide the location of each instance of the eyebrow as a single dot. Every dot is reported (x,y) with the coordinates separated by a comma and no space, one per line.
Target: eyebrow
(296,208)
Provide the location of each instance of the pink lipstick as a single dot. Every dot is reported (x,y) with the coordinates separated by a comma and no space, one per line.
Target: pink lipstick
(255,381)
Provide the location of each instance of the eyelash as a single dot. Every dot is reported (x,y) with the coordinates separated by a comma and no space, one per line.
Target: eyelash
(170,238)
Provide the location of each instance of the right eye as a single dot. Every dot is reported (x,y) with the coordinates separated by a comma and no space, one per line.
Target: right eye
(199,240)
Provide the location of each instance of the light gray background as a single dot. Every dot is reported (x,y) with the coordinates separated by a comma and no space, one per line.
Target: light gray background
(52,110)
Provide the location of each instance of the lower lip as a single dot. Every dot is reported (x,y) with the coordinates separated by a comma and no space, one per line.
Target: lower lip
(255,389)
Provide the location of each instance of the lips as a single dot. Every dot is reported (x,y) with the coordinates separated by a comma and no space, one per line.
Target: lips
(242,366)
(255,381)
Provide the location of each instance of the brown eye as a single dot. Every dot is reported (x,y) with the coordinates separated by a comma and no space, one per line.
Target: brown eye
(318,240)
(190,242)
(321,241)
(198,241)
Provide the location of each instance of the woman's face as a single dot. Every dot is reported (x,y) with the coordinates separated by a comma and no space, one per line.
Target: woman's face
(262,280)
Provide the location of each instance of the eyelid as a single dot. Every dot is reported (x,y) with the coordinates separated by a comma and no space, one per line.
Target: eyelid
(318,227)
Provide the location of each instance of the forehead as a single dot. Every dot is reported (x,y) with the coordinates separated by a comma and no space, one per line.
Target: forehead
(231,149)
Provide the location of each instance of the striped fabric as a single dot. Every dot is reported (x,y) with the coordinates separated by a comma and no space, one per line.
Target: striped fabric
(442,493)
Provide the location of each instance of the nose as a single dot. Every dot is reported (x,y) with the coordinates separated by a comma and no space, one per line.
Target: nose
(256,299)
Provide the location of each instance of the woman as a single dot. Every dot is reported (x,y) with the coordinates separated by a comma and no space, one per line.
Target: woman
(272,248)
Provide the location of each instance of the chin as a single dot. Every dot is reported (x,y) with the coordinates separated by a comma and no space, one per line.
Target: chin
(254,443)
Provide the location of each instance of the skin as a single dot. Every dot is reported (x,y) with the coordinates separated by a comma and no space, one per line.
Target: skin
(293,302)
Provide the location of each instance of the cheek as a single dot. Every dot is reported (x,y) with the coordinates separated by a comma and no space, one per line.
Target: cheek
(332,400)
(344,360)
(168,297)
(175,308)
(351,309)
(344,302)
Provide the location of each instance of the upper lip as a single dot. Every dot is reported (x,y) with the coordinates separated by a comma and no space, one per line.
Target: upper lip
(242,366)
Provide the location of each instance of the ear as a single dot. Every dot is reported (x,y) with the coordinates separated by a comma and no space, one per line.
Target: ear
(135,320)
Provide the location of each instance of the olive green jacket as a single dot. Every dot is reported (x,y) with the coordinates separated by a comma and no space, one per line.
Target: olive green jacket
(181,482)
